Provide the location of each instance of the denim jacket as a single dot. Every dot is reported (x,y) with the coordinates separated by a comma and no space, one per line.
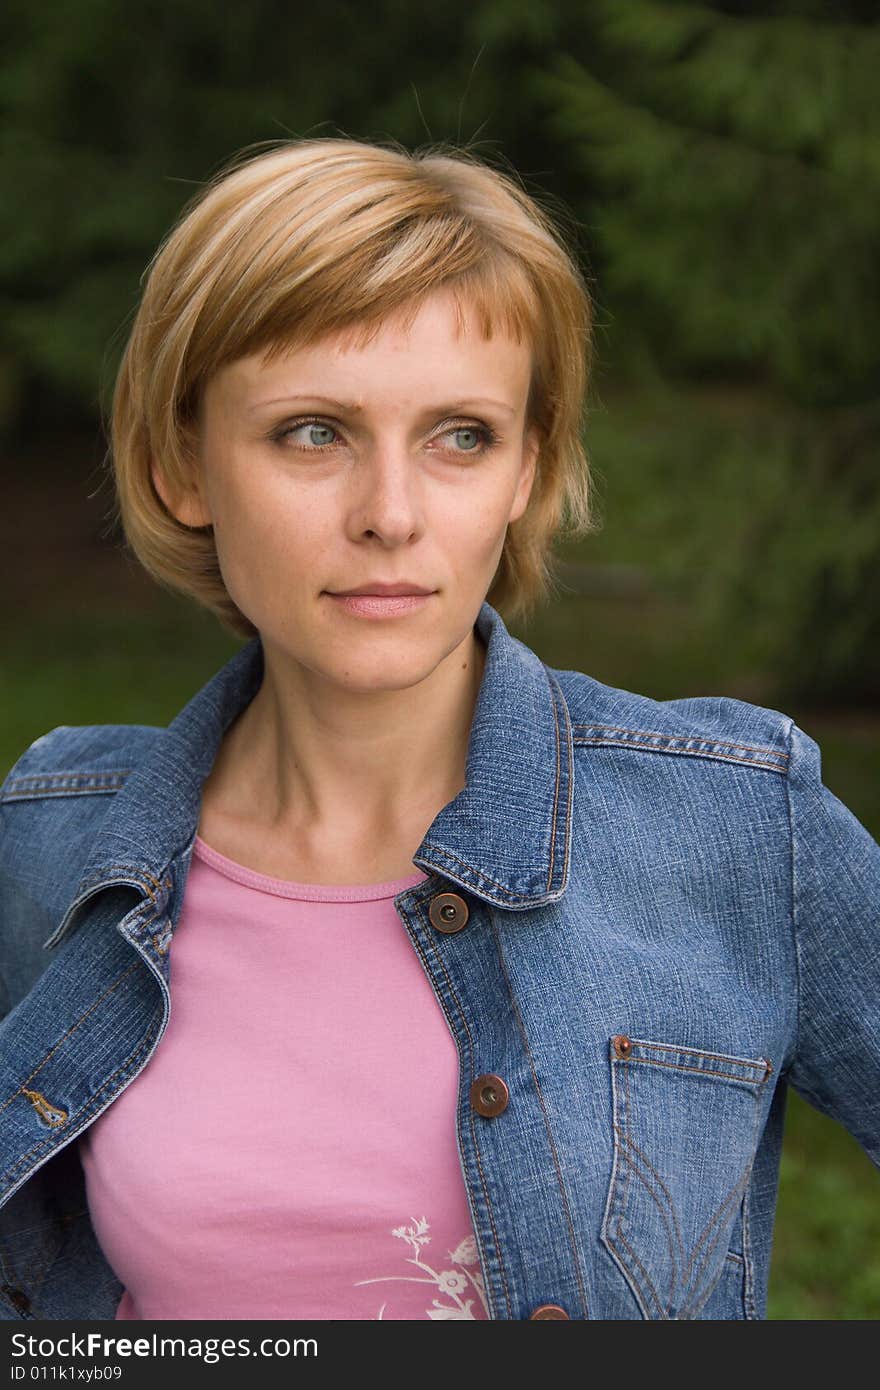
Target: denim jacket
(645,918)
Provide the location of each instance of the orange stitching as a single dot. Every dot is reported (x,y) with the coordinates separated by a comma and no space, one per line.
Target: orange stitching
(699,1071)
(647,1277)
(567,841)
(649,1165)
(621,1206)
(626,1082)
(134,965)
(711,1221)
(683,752)
(52,1114)
(91,883)
(628,1274)
(735,1191)
(569,803)
(130,869)
(717,1216)
(699,1296)
(547,1125)
(476,1146)
(713,742)
(50,1141)
(555,795)
(652,1193)
(700,1052)
(612,1203)
(516,897)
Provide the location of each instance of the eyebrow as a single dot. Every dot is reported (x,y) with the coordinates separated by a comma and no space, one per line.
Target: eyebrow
(453,408)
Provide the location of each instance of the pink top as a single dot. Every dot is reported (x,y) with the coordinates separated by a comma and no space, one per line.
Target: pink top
(290,1149)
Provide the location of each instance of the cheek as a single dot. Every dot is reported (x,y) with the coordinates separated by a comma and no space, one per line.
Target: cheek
(268,541)
(472,529)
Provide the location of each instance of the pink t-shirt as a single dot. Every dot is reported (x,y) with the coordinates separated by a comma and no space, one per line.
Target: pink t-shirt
(289,1151)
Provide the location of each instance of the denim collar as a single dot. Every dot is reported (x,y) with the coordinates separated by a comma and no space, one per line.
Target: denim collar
(505,837)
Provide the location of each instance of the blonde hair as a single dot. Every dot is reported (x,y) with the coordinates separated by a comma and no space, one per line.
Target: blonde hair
(315,235)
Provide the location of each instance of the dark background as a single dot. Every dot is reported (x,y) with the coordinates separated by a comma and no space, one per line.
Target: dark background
(717,168)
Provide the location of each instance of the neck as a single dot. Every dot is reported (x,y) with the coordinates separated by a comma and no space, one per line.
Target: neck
(323,764)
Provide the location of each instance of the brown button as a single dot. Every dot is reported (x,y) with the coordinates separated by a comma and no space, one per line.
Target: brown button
(448,913)
(622,1045)
(549,1310)
(489,1095)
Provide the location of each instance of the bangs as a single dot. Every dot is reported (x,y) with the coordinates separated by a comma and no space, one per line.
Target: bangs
(273,310)
(491,298)
(335,236)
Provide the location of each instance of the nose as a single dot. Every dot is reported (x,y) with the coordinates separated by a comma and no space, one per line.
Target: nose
(385,499)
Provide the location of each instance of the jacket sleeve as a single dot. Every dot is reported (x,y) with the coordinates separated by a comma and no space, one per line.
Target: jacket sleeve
(835,868)
(8,885)
(5,891)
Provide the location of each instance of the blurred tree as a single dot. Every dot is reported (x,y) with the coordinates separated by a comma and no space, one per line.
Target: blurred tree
(737,229)
(110,118)
(721,161)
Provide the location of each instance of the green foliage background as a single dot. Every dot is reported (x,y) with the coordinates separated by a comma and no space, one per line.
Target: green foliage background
(717,168)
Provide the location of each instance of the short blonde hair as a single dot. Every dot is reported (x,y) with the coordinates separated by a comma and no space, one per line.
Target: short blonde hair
(314,235)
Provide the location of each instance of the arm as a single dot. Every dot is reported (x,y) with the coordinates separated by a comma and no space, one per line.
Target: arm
(836,923)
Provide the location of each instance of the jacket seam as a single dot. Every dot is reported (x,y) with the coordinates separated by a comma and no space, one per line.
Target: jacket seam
(700,1296)
(626,1142)
(698,1052)
(499,1255)
(87,1109)
(72,1029)
(557,692)
(709,753)
(556,787)
(702,1071)
(129,869)
(618,1193)
(750,1306)
(713,742)
(528,1051)
(482,877)
(70,783)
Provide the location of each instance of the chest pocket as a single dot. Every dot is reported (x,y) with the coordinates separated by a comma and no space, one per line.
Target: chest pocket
(686,1126)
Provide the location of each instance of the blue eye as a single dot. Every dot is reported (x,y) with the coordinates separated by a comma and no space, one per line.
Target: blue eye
(319,434)
(472,437)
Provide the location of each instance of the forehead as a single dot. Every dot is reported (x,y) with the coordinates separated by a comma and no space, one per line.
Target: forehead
(434,345)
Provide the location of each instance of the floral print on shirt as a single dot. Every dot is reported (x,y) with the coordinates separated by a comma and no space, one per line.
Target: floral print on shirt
(455,1284)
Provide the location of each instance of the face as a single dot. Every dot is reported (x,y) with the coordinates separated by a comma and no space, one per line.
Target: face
(338,467)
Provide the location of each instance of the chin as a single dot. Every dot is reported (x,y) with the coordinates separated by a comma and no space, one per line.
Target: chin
(390,673)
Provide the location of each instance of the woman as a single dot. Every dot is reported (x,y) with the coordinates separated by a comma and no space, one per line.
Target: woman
(402,976)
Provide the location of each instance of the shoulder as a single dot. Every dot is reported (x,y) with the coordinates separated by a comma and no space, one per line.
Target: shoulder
(52,804)
(717,728)
(78,760)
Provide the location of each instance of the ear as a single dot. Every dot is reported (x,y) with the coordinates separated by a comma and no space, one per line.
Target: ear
(528,468)
(186,505)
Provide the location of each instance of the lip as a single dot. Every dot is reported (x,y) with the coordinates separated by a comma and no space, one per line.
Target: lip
(381,605)
(381,590)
